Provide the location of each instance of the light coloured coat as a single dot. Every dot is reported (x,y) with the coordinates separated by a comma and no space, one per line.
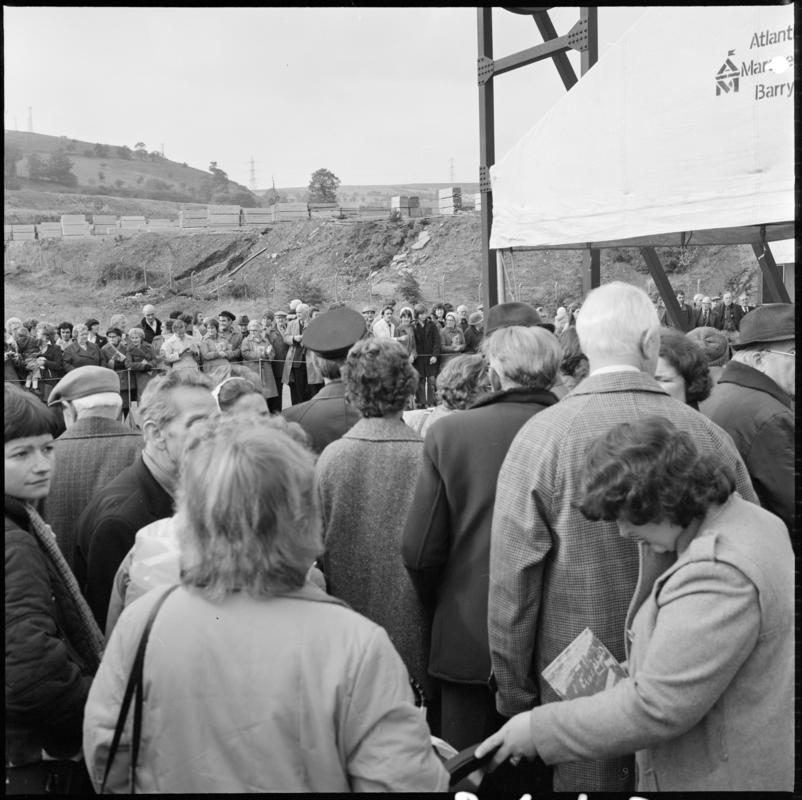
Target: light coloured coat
(293,693)
(710,698)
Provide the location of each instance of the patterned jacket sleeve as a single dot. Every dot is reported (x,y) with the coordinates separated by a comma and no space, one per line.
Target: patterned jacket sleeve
(519,543)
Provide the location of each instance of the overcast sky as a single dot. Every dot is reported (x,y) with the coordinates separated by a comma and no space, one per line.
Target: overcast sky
(376,95)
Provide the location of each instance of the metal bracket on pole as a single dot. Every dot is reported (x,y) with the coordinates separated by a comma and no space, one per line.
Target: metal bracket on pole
(578,36)
(484,69)
(484,179)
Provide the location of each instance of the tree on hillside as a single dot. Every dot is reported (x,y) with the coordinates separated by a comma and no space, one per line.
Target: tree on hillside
(101,150)
(11,155)
(220,177)
(141,150)
(36,166)
(323,186)
(124,152)
(59,169)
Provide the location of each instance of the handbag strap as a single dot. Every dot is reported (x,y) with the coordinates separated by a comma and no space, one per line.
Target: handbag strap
(135,683)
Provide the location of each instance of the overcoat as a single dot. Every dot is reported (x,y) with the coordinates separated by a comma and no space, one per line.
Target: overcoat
(552,572)
(366,480)
(326,417)
(709,700)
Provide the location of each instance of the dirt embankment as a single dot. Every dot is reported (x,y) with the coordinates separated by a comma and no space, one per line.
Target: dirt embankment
(341,261)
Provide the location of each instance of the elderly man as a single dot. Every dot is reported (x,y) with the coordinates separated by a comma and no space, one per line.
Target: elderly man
(295,373)
(754,402)
(369,315)
(93,450)
(462,317)
(150,324)
(473,333)
(552,572)
(725,316)
(328,338)
(446,541)
(144,491)
(704,316)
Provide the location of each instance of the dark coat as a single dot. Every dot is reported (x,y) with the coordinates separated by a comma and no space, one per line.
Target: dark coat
(47,681)
(326,417)
(107,529)
(473,338)
(446,540)
(149,332)
(88,455)
(427,344)
(74,356)
(759,416)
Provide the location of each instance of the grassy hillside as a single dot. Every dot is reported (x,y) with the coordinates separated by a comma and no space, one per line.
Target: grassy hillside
(121,170)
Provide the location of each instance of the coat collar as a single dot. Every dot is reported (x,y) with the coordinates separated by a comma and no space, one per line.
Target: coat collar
(542,397)
(751,378)
(15,511)
(379,429)
(607,382)
(97,426)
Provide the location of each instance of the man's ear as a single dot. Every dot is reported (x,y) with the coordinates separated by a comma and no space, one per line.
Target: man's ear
(152,435)
(650,349)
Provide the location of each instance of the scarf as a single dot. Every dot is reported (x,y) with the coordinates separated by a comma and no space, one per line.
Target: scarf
(47,539)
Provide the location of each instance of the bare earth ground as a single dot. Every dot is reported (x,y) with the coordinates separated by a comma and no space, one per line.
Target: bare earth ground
(352,262)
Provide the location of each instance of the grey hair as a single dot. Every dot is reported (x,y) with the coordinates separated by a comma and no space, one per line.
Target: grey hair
(156,405)
(527,356)
(248,516)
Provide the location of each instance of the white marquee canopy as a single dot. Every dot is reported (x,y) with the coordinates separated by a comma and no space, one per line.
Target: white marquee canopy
(683,132)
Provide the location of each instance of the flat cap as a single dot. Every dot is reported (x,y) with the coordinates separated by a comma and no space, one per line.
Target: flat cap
(367,309)
(281,313)
(228,314)
(771,322)
(334,333)
(505,315)
(83,381)
(475,318)
(242,319)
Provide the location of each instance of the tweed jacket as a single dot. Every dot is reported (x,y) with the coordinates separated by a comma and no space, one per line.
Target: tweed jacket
(554,573)
(446,539)
(47,681)
(326,417)
(88,455)
(710,697)
(289,693)
(759,416)
(366,480)
(106,530)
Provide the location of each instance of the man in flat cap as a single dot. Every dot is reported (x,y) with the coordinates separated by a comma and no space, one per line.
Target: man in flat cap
(369,315)
(142,492)
(95,447)
(231,335)
(328,338)
(754,402)
(149,323)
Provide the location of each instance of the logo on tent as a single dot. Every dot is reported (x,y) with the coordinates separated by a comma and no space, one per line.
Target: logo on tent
(727,78)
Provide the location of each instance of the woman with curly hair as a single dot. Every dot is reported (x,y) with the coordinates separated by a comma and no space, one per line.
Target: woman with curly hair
(708,701)
(682,368)
(461,381)
(366,480)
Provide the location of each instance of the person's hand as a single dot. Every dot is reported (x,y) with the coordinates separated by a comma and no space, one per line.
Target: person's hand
(432,359)
(514,742)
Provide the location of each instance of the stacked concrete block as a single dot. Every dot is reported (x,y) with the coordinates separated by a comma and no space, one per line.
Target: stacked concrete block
(400,203)
(449,200)
(223,216)
(23,233)
(193,218)
(132,223)
(161,224)
(75,225)
(256,216)
(103,224)
(290,211)
(48,230)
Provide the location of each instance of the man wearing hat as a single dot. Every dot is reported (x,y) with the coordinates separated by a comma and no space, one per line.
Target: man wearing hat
(446,540)
(328,338)
(230,335)
(369,315)
(92,451)
(242,323)
(754,402)
(473,333)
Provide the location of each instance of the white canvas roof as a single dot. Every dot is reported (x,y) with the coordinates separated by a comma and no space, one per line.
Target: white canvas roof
(684,127)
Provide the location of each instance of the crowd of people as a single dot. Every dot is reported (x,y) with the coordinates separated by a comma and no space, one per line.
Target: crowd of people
(307,597)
